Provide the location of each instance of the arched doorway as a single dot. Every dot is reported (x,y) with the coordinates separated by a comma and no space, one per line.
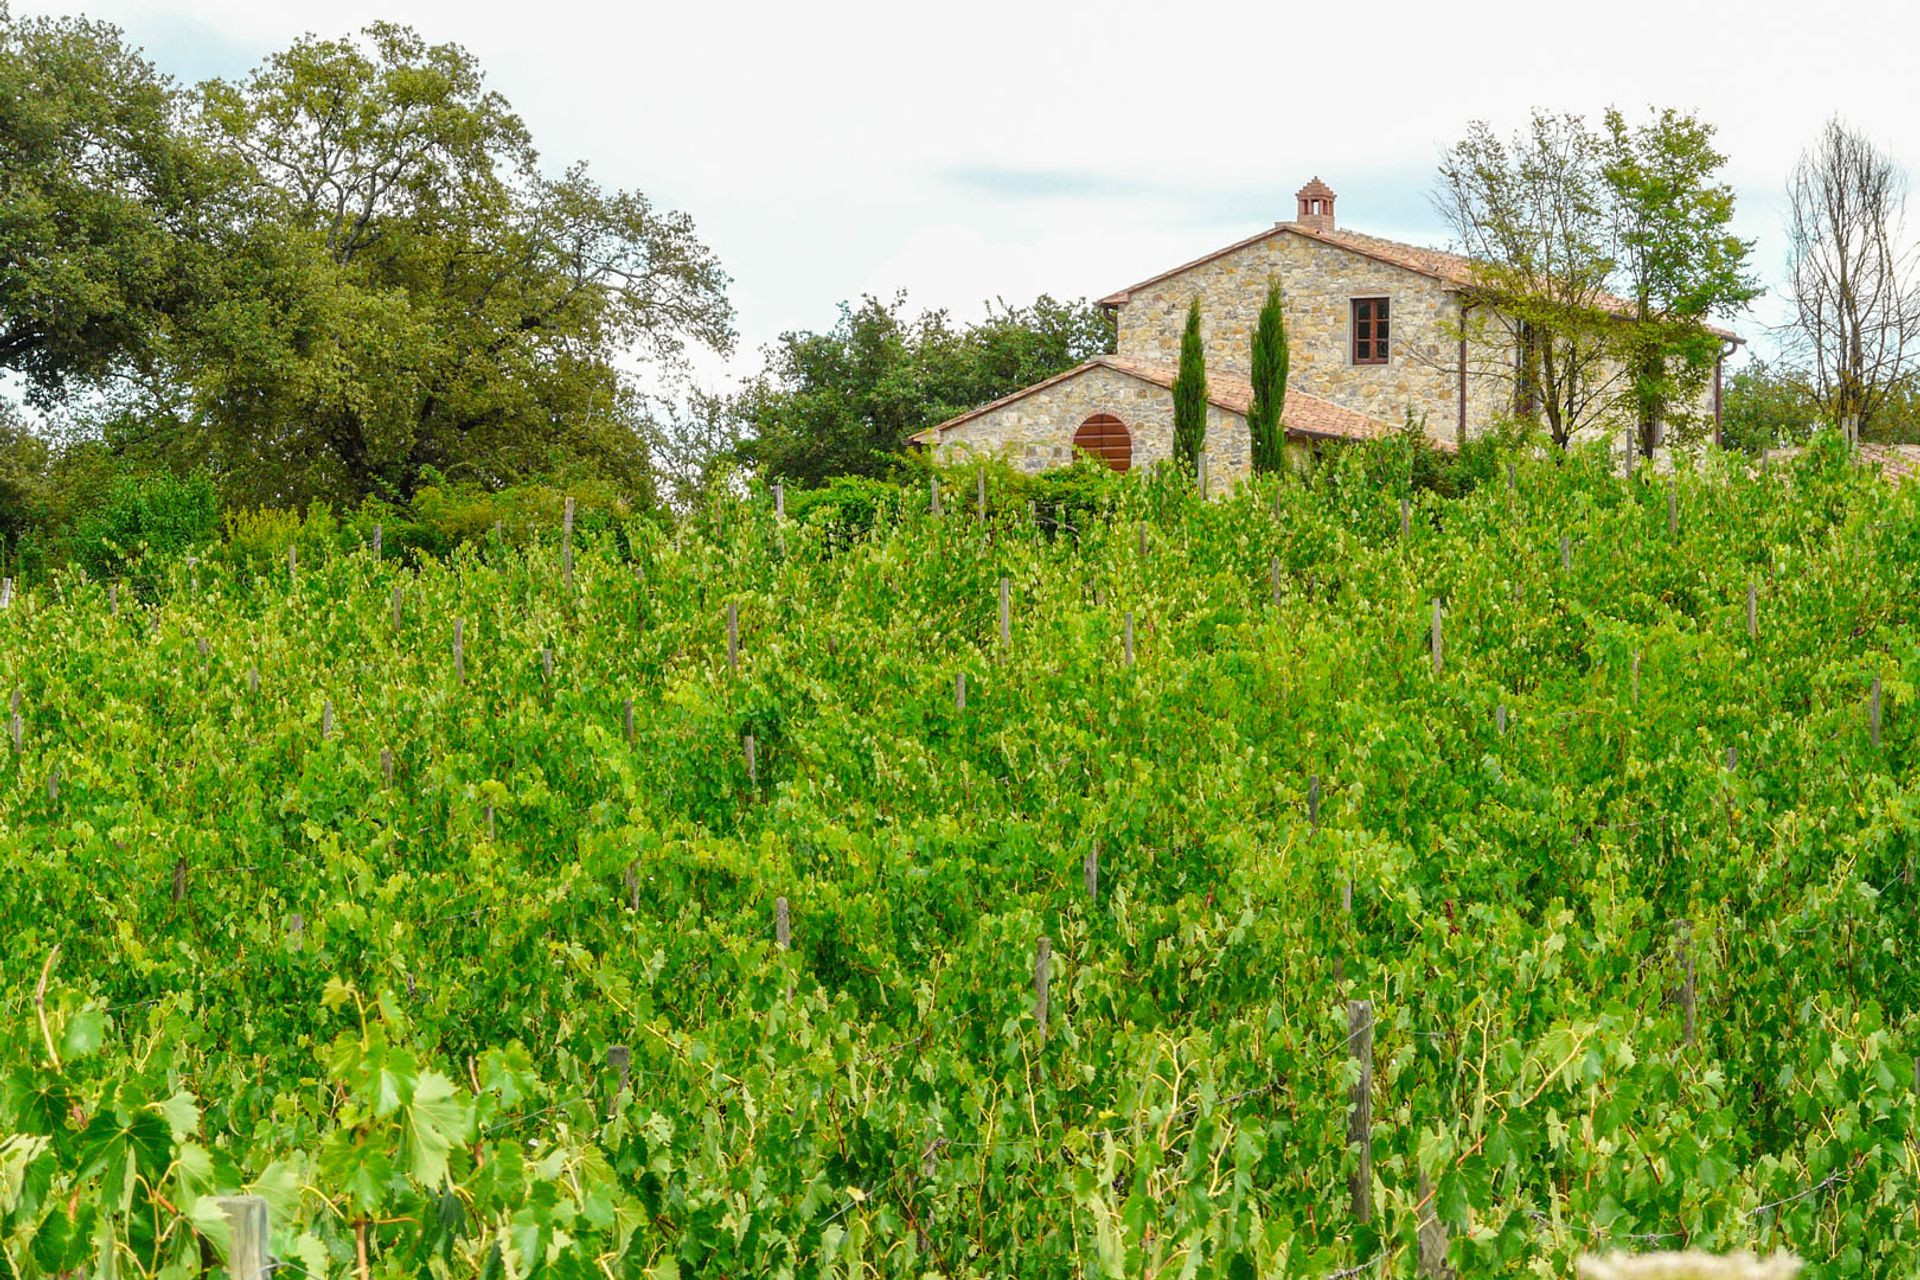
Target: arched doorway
(1106,438)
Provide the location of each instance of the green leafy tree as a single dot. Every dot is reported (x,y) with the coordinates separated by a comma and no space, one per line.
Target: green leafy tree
(1190,395)
(1678,262)
(844,402)
(403,288)
(1766,406)
(1269,383)
(1532,213)
(104,207)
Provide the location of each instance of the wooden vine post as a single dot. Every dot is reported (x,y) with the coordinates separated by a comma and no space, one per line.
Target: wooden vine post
(247,1257)
(376,540)
(1126,638)
(779,500)
(933,495)
(1753,615)
(733,638)
(1042,978)
(980,494)
(626,719)
(1673,512)
(1090,871)
(960,691)
(396,608)
(753,764)
(1360,1113)
(1439,660)
(1006,613)
(459,651)
(1873,711)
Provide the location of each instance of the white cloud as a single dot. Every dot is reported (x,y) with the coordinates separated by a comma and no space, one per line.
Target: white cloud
(1010,147)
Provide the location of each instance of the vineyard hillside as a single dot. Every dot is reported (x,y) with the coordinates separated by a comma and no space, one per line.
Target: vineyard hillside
(1330,879)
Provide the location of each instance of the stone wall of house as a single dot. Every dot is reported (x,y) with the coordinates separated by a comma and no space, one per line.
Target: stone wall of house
(1320,281)
(1035,432)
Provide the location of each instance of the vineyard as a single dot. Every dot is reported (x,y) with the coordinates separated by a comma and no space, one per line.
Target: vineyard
(1333,879)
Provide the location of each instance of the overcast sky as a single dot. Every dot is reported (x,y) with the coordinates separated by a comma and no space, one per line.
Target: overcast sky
(1006,148)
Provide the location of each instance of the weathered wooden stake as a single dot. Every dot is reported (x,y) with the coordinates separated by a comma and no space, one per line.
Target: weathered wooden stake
(1431,1236)
(1873,710)
(53,784)
(753,762)
(1203,474)
(1042,976)
(782,932)
(460,650)
(376,540)
(1500,719)
(200,642)
(253,680)
(1636,677)
(959,691)
(620,1058)
(733,637)
(933,491)
(779,500)
(1439,660)
(326,719)
(1688,992)
(1733,759)
(1510,484)
(386,765)
(6,592)
(626,719)
(396,607)
(1090,870)
(179,879)
(1360,1117)
(566,542)
(1006,613)
(297,928)
(1566,553)
(247,1257)
(546,664)
(1406,517)
(1753,616)
(293,562)
(1143,539)
(1126,638)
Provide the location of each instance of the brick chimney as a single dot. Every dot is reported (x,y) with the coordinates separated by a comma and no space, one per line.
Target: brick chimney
(1316,206)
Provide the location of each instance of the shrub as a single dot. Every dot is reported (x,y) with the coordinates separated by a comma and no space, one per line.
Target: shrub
(146,518)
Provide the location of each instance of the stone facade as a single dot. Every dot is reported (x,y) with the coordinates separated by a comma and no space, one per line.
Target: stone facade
(1319,281)
(1035,431)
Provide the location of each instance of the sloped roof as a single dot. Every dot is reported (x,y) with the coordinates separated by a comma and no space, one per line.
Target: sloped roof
(1303,414)
(1452,269)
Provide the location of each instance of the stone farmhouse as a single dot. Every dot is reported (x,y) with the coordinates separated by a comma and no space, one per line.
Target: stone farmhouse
(1378,332)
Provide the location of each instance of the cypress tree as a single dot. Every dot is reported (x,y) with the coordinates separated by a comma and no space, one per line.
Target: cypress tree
(1269,384)
(1190,396)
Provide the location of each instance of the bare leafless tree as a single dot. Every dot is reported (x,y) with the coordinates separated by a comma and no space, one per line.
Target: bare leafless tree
(1854,276)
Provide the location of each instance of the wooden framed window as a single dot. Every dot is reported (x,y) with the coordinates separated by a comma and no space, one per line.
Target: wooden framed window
(1369,330)
(1106,438)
